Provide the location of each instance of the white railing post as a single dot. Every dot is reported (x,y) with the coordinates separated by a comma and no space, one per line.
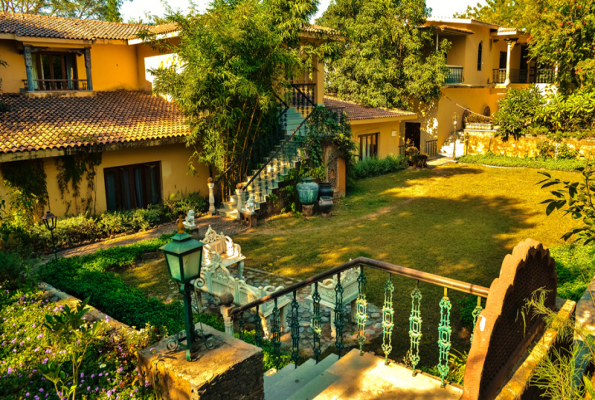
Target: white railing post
(211,196)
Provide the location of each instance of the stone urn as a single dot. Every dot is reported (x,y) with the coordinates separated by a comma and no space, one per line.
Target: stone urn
(307,191)
(325,189)
(325,204)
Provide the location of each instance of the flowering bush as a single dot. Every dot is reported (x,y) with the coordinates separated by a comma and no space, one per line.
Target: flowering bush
(27,347)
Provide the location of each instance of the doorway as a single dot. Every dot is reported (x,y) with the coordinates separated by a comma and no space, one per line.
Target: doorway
(413,133)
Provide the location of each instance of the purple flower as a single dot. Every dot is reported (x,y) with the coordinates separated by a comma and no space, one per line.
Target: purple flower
(92,376)
(41,390)
(39,336)
(82,374)
(9,370)
(107,318)
(27,394)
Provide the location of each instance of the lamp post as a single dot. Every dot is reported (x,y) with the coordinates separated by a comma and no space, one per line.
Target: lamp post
(184,261)
(50,221)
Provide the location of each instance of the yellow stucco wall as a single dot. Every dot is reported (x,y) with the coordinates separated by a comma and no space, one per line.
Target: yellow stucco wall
(14,73)
(174,177)
(387,144)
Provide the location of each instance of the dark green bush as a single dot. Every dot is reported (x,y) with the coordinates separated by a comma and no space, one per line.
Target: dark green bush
(528,162)
(516,111)
(377,166)
(468,304)
(14,269)
(575,266)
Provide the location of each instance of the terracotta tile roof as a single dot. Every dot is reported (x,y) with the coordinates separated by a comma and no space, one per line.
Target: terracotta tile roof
(359,112)
(164,28)
(66,28)
(109,117)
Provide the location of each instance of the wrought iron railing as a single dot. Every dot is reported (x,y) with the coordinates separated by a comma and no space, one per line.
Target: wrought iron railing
(525,75)
(302,97)
(432,148)
(455,76)
(444,328)
(57,84)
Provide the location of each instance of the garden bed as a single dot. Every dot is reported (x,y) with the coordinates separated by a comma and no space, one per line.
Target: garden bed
(523,162)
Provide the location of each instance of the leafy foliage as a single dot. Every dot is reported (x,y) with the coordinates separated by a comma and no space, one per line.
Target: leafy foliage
(516,111)
(103,10)
(568,112)
(385,60)
(575,267)
(527,162)
(233,60)
(579,200)
(371,167)
(14,269)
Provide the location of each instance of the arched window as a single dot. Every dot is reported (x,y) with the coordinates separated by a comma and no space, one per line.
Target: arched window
(479,51)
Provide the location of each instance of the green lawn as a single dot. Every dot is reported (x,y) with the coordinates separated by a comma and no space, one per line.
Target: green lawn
(456,221)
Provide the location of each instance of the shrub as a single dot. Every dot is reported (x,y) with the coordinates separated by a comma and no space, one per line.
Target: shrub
(568,112)
(374,166)
(477,119)
(565,152)
(575,267)
(526,162)
(516,111)
(14,269)
(468,304)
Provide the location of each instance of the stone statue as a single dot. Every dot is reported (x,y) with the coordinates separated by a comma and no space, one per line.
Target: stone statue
(189,222)
(250,203)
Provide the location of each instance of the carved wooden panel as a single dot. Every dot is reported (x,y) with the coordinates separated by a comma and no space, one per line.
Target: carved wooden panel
(501,336)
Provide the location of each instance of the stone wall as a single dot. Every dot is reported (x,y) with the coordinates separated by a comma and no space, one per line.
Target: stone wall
(480,142)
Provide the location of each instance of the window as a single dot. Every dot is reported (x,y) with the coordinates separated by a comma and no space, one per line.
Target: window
(55,71)
(368,146)
(132,186)
(479,51)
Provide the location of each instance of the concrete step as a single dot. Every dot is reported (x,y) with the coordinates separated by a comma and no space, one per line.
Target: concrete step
(227,213)
(271,380)
(296,380)
(366,377)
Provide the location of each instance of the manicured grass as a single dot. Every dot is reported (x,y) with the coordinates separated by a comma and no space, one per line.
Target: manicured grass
(575,266)
(456,221)
(527,162)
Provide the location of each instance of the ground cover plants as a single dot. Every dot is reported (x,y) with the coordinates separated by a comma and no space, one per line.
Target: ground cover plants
(525,162)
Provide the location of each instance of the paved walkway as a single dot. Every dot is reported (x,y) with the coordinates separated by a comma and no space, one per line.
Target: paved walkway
(220,224)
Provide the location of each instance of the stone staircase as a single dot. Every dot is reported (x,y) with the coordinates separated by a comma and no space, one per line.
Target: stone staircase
(455,140)
(269,178)
(354,377)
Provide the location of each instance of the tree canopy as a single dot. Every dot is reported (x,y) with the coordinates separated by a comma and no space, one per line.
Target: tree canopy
(233,63)
(562,33)
(103,10)
(386,60)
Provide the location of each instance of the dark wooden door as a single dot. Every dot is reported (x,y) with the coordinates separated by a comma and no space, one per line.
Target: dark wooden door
(412,132)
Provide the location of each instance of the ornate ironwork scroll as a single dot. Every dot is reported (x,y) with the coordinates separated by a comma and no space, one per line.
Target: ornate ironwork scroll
(258,329)
(362,308)
(295,330)
(388,314)
(476,311)
(276,334)
(444,332)
(339,322)
(316,322)
(415,327)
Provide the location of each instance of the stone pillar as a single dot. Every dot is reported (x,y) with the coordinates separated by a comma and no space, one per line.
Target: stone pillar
(239,200)
(241,270)
(509,51)
(211,186)
(231,370)
(88,68)
(226,308)
(29,68)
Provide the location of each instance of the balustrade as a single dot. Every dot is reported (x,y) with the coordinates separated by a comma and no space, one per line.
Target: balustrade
(388,312)
(56,84)
(431,148)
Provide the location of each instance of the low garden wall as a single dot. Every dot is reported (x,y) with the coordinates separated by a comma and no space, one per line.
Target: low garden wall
(482,141)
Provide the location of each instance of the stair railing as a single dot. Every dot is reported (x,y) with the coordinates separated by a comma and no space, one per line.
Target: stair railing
(444,328)
(236,175)
(302,98)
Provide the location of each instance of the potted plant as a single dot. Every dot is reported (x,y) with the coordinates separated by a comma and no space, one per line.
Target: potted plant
(412,154)
(422,160)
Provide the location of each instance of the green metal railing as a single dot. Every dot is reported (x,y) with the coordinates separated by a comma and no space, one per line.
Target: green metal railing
(388,312)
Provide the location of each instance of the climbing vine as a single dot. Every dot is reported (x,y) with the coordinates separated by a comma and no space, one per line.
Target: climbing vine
(26,181)
(71,169)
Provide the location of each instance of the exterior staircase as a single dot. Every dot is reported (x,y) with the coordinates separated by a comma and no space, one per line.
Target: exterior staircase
(354,377)
(455,142)
(268,179)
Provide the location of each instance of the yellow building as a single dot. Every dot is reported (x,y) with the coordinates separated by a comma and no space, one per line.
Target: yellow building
(81,88)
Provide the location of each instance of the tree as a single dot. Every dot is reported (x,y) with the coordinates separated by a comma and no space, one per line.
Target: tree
(385,59)
(104,10)
(562,34)
(233,63)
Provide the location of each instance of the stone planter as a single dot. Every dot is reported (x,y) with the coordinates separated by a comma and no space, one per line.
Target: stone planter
(478,125)
(307,191)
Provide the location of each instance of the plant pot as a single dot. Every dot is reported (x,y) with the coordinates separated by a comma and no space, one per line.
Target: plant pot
(307,191)
(325,204)
(325,189)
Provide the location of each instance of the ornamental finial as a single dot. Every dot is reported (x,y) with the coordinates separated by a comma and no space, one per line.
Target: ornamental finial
(180,224)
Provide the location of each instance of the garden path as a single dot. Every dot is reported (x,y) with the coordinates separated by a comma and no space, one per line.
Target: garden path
(218,223)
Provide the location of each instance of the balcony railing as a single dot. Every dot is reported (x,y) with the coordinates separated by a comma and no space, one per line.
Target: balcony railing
(57,84)
(524,76)
(455,76)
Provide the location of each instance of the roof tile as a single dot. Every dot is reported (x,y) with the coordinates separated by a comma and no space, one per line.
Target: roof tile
(359,112)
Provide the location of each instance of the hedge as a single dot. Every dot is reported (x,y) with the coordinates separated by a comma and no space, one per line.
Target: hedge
(527,162)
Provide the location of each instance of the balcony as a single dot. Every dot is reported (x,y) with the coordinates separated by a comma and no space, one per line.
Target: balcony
(56,84)
(455,76)
(544,75)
